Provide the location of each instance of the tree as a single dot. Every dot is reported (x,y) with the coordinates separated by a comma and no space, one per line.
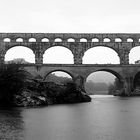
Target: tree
(12,80)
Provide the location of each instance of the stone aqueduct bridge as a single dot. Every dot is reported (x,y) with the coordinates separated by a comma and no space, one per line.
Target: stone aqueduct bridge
(78,44)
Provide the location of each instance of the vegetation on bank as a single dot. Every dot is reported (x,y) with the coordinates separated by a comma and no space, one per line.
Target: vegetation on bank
(17,89)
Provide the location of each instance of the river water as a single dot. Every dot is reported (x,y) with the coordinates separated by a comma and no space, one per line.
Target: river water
(105,118)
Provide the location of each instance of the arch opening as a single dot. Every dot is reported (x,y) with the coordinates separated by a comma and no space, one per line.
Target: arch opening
(44,40)
(95,40)
(118,40)
(59,77)
(106,40)
(32,40)
(103,82)
(101,55)
(134,57)
(70,40)
(7,40)
(58,55)
(19,40)
(19,54)
(83,40)
(58,40)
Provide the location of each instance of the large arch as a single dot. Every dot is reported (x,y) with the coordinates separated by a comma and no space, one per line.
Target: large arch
(104,79)
(19,52)
(101,55)
(58,55)
(134,55)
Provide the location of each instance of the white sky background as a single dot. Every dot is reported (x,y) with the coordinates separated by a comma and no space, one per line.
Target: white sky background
(70,16)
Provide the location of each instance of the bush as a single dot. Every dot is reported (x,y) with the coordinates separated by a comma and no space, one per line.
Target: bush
(12,80)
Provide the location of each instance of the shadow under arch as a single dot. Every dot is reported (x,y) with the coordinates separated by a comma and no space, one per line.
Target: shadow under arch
(102,54)
(20,51)
(58,54)
(136,81)
(59,70)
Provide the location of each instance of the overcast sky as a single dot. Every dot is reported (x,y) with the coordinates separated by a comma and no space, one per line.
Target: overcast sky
(70,16)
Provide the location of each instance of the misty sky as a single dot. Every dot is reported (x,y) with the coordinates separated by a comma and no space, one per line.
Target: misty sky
(71,16)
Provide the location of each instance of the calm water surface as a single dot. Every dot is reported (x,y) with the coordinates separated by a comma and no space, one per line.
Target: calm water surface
(105,118)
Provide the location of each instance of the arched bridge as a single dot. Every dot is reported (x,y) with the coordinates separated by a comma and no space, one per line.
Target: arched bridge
(78,44)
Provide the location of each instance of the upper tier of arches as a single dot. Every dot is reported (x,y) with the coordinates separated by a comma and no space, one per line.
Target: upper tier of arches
(68,37)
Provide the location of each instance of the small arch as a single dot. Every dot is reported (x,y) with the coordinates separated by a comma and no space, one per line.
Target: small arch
(134,57)
(19,40)
(139,39)
(83,40)
(58,40)
(7,40)
(95,40)
(129,40)
(62,75)
(106,40)
(70,40)
(118,40)
(44,40)
(32,40)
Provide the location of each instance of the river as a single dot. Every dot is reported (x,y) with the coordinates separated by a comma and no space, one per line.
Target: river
(105,118)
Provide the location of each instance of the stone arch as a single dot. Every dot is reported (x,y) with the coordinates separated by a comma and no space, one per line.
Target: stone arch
(45,40)
(60,51)
(83,40)
(59,70)
(32,40)
(100,51)
(116,74)
(70,40)
(6,40)
(118,40)
(19,40)
(58,40)
(129,40)
(119,76)
(106,40)
(21,51)
(134,57)
(95,40)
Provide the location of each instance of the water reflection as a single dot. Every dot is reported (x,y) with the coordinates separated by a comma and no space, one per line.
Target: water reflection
(11,124)
(105,118)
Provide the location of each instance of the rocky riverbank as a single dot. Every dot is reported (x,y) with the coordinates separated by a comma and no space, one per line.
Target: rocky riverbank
(38,93)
